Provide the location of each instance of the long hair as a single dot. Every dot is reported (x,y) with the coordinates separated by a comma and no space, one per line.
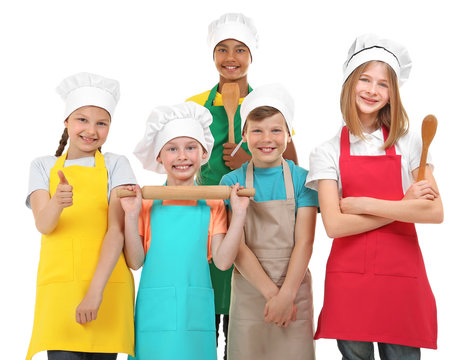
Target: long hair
(392,115)
(62,143)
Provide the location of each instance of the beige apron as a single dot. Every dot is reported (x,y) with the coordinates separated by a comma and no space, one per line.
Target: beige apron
(269,233)
(68,259)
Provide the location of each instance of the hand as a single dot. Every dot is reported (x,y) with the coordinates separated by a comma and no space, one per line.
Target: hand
(63,195)
(237,160)
(421,190)
(88,308)
(239,203)
(352,205)
(280,310)
(132,204)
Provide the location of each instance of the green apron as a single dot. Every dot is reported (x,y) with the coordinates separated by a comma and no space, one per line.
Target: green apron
(210,174)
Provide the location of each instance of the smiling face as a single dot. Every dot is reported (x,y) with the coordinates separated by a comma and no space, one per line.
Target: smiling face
(232,59)
(87,128)
(267,140)
(371,93)
(181,157)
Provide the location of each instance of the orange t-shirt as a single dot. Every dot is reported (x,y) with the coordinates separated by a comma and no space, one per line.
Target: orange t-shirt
(217,223)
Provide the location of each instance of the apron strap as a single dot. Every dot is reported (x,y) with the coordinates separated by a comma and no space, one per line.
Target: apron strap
(287,178)
(210,100)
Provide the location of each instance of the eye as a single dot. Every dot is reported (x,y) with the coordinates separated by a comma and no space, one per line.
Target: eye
(102,123)
(364,79)
(385,85)
(276,131)
(82,119)
(255,130)
(241,50)
(222,50)
(191,147)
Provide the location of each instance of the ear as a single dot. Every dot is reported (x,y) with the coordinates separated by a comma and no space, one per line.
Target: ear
(205,154)
(289,139)
(243,136)
(158,159)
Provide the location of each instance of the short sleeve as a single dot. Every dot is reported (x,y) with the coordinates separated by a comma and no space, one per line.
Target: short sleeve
(144,223)
(40,169)
(323,164)
(217,224)
(120,171)
(304,195)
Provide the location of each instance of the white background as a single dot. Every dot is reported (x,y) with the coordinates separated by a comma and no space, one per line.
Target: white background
(158,52)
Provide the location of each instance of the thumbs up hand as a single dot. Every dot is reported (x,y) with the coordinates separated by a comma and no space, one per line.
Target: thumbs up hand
(63,195)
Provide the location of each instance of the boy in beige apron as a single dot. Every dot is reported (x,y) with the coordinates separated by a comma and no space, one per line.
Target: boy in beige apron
(271,309)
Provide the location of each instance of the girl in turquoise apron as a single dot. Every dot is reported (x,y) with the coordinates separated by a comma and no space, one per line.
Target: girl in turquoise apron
(77,220)
(170,239)
(233,40)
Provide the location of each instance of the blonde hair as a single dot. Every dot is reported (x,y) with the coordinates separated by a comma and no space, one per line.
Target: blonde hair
(392,115)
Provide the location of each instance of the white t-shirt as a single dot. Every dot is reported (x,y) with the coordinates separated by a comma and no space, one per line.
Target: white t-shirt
(118,168)
(324,158)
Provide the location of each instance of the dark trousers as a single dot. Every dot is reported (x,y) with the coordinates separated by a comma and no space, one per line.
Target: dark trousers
(225,330)
(74,355)
(361,350)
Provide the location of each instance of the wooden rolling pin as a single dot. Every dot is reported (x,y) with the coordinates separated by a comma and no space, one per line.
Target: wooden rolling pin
(231,99)
(186,192)
(429,128)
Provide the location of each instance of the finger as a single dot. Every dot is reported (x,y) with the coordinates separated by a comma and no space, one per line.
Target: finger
(62,178)
(80,318)
(77,317)
(226,158)
(94,315)
(230,146)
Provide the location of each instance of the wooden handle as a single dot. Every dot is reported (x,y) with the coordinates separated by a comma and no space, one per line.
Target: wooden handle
(186,192)
(429,128)
(230,99)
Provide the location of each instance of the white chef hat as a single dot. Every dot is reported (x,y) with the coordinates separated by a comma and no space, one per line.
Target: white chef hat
(370,47)
(85,89)
(168,122)
(274,95)
(233,26)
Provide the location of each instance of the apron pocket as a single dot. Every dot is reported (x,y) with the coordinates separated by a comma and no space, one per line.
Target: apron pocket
(348,254)
(200,309)
(56,261)
(156,309)
(396,255)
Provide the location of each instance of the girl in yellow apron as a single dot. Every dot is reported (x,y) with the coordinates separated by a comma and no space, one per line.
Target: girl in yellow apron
(69,196)
(175,307)
(271,308)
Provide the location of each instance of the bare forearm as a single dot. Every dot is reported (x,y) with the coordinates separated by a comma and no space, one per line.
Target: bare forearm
(341,225)
(48,218)
(226,250)
(111,250)
(249,266)
(411,211)
(133,248)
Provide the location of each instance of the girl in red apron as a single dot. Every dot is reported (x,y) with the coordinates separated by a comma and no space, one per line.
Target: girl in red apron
(233,41)
(376,286)
(171,240)
(74,203)
(271,311)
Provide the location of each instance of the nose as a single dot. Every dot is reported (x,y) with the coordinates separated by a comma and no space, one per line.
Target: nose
(182,155)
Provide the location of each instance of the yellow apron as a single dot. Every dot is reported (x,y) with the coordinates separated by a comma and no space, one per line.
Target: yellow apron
(68,259)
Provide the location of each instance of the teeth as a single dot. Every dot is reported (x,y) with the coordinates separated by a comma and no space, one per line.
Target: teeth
(181,167)
(230,67)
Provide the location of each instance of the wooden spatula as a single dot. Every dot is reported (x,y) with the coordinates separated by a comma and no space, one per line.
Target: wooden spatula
(429,127)
(230,99)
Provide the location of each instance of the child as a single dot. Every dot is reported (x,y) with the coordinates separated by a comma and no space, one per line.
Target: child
(271,311)
(376,287)
(233,41)
(73,197)
(172,240)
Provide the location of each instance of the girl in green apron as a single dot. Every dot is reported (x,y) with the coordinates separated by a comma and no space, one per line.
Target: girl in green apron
(171,240)
(74,203)
(233,40)
(271,309)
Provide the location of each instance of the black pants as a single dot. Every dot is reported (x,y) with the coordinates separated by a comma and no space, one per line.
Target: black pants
(225,330)
(73,355)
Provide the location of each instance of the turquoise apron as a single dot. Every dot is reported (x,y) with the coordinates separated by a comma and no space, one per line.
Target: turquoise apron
(210,174)
(174,316)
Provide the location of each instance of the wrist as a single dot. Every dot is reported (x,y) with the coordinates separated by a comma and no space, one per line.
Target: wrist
(270,292)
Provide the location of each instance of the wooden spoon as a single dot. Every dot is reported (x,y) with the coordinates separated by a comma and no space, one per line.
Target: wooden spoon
(429,127)
(230,99)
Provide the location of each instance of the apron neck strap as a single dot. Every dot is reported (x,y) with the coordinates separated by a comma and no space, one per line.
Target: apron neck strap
(213,94)
(289,187)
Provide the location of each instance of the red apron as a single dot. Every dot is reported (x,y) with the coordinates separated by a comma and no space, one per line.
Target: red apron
(376,287)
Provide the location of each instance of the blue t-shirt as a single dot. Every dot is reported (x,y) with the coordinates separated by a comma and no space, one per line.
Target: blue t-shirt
(269,184)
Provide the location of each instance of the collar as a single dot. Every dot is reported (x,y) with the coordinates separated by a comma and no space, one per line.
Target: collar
(377,134)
